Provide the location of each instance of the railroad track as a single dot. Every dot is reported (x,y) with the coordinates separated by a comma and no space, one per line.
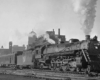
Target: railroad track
(64,75)
(50,74)
(48,71)
(60,72)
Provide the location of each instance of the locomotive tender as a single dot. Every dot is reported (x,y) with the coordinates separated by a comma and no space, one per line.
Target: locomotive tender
(79,56)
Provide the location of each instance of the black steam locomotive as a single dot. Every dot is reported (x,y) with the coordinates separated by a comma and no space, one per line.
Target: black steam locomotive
(75,56)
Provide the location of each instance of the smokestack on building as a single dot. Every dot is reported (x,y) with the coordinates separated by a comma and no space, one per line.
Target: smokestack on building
(10,46)
(87,37)
(53,32)
(59,32)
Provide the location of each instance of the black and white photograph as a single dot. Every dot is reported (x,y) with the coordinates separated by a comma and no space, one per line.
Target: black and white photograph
(49,40)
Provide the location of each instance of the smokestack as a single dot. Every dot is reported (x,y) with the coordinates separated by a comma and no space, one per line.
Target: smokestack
(59,31)
(95,38)
(10,46)
(53,31)
(87,37)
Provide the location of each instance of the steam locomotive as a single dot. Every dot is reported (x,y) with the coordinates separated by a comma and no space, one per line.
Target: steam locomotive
(78,56)
(75,56)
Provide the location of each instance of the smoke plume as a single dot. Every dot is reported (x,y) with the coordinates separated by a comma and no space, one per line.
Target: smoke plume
(46,36)
(86,9)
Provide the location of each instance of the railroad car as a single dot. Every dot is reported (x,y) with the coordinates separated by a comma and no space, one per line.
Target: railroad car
(19,60)
(7,60)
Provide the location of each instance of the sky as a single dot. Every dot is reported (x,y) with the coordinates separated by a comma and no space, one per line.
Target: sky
(19,17)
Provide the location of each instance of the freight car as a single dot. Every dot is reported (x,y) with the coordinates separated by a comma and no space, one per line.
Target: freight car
(7,60)
(75,56)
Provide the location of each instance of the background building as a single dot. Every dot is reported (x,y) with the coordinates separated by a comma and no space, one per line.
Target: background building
(58,38)
(12,49)
(31,39)
(16,48)
(6,51)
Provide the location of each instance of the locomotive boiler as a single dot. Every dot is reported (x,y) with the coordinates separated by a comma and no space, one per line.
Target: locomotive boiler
(74,56)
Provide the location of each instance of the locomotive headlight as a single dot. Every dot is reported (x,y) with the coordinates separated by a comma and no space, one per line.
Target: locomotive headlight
(96,47)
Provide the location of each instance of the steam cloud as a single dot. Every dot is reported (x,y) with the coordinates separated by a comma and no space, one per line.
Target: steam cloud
(46,36)
(43,36)
(86,8)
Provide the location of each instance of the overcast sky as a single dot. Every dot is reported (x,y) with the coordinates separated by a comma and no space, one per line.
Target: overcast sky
(19,17)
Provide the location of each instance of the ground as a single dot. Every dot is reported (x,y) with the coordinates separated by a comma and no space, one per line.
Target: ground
(12,77)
